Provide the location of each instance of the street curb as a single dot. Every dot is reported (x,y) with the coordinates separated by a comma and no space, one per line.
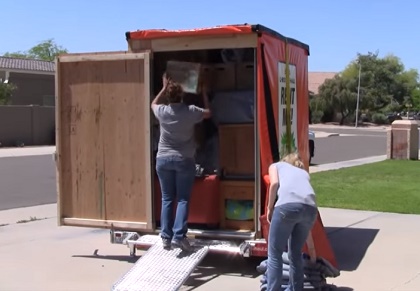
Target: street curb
(323,134)
(346,164)
(333,134)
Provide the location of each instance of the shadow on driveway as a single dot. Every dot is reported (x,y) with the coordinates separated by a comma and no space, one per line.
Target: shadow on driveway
(120,258)
(214,265)
(350,245)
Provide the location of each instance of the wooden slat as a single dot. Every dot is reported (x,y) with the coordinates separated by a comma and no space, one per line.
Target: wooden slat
(101,57)
(200,43)
(126,225)
(137,45)
(81,153)
(58,143)
(148,119)
(125,123)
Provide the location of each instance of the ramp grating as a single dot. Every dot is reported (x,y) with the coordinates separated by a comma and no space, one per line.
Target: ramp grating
(161,270)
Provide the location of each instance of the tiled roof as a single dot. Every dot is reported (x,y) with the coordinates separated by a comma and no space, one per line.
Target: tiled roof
(26,64)
(316,79)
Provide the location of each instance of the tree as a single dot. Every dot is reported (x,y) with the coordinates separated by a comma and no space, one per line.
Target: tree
(383,81)
(415,99)
(6,91)
(46,50)
(338,93)
(385,86)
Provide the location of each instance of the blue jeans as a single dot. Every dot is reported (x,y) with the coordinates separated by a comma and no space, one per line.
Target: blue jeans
(290,223)
(176,178)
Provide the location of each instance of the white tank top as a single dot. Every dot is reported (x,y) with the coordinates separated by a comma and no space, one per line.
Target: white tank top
(294,185)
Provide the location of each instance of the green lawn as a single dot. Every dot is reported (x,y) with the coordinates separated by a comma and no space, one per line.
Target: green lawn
(388,186)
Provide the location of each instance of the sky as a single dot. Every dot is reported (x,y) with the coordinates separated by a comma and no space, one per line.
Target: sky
(335,30)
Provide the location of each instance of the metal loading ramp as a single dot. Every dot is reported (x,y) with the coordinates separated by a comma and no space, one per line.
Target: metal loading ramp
(161,270)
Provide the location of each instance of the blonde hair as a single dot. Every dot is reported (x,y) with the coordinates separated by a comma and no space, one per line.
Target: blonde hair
(294,159)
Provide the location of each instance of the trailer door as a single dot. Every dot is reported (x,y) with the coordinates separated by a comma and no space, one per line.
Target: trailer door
(103,140)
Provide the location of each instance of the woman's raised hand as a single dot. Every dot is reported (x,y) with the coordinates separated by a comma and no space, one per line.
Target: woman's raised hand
(165,80)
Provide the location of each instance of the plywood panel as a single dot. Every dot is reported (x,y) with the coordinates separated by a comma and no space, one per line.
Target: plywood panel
(126,136)
(103,160)
(80,148)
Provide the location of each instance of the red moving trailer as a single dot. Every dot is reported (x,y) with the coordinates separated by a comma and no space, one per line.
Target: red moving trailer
(106,136)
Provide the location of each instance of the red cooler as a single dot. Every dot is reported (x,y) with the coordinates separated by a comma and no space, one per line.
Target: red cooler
(204,203)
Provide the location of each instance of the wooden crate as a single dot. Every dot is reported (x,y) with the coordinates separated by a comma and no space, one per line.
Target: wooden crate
(237,149)
(236,190)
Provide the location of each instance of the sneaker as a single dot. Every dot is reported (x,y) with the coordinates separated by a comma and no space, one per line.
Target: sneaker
(183,244)
(166,242)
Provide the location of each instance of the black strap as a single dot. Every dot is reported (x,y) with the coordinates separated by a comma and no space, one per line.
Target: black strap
(271,121)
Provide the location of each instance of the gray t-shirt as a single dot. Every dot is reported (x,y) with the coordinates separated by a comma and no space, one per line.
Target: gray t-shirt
(177,129)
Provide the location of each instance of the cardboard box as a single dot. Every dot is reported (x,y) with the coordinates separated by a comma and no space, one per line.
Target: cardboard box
(223,77)
(187,74)
(245,76)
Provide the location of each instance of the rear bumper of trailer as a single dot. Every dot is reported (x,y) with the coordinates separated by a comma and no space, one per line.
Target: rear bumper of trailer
(246,248)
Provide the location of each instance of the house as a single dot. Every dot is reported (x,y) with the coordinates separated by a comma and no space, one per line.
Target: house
(34,80)
(316,79)
(30,120)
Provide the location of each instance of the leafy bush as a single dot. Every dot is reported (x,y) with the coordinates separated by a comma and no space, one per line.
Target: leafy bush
(6,91)
(379,118)
(317,116)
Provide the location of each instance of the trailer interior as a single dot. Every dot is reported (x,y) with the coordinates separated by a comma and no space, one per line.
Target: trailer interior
(224,200)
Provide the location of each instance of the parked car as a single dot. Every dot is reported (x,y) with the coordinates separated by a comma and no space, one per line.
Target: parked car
(393,116)
(311,145)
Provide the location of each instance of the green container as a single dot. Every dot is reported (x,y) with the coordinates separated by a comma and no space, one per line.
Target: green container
(239,209)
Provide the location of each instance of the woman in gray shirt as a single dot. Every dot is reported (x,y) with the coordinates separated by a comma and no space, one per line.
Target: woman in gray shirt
(175,159)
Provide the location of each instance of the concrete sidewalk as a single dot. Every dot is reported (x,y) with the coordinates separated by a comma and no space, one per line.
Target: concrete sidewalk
(17,215)
(26,151)
(376,252)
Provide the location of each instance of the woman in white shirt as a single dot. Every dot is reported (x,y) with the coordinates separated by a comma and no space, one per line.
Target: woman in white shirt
(291,212)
